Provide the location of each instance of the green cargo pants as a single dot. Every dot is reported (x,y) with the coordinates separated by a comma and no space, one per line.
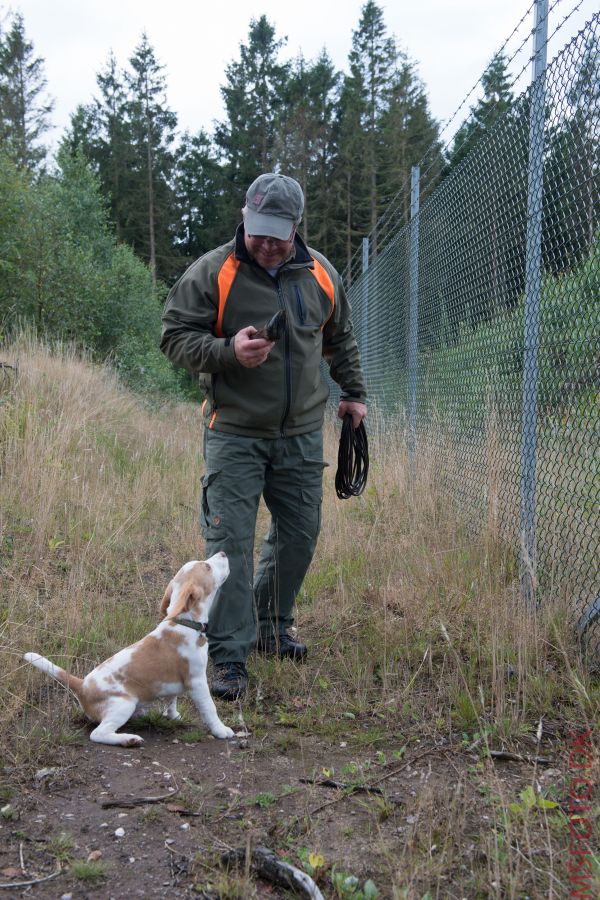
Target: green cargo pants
(288,473)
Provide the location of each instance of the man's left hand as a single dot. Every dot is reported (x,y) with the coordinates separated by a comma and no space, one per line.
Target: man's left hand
(357,410)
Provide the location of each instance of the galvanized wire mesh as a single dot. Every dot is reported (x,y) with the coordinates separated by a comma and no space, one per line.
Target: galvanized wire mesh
(503,393)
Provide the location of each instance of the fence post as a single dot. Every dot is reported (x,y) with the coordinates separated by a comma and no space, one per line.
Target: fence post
(365,309)
(413,314)
(531,327)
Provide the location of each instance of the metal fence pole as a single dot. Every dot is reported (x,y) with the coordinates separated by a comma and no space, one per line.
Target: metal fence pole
(365,309)
(415,174)
(531,329)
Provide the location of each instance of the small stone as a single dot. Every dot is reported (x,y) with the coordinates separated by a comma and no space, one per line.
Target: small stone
(104,825)
(120,832)
(94,855)
(185,826)
(45,773)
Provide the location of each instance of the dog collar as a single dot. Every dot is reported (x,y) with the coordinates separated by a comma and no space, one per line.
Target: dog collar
(189,623)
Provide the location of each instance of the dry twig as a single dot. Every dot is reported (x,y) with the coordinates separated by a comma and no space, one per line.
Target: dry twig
(19,884)
(129,802)
(342,785)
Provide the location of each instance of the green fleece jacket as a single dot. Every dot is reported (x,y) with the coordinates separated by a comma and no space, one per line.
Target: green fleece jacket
(287,394)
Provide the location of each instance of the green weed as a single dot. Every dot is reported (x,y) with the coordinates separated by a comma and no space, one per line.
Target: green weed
(89,870)
(61,847)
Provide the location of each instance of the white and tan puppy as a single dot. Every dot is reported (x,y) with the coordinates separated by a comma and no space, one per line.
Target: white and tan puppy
(168,661)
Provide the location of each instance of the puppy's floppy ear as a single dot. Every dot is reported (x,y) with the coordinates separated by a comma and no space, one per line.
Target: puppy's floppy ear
(164,604)
(185,599)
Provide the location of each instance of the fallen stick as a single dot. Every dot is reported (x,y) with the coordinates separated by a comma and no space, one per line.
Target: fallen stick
(129,802)
(342,786)
(17,884)
(269,866)
(516,757)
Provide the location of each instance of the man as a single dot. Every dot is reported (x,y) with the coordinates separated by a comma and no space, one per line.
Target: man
(263,413)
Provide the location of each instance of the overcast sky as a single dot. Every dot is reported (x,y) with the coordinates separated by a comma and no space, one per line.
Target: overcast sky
(450,40)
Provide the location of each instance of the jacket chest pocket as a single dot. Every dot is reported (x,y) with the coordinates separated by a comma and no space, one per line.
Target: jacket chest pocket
(306,306)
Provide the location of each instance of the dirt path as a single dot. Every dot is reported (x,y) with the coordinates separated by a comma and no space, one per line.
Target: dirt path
(223,795)
(429,814)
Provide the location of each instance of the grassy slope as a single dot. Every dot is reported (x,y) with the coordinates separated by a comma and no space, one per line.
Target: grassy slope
(417,636)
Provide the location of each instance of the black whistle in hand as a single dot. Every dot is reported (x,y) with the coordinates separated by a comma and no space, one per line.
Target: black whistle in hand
(273,329)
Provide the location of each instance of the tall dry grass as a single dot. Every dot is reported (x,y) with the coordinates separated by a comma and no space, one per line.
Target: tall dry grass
(99,507)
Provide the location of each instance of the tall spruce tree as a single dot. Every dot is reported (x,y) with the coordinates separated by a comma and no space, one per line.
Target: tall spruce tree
(372,62)
(325,86)
(199,188)
(351,181)
(488,164)
(115,149)
(410,134)
(24,107)
(127,134)
(572,169)
(150,213)
(497,99)
(252,96)
(304,143)
(101,130)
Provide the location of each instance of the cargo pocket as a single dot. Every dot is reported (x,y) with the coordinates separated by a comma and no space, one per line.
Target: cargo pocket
(211,512)
(311,494)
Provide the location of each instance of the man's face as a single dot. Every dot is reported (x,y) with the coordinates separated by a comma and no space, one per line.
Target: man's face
(269,252)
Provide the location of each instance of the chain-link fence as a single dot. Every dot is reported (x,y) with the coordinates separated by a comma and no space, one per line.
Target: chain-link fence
(479,326)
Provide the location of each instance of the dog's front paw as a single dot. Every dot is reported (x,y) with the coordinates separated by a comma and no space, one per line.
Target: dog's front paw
(222,732)
(132,740)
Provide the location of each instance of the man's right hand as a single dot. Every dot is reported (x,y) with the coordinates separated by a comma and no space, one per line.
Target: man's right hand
(251,353)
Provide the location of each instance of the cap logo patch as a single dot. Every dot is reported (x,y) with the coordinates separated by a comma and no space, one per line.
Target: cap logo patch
(258,199)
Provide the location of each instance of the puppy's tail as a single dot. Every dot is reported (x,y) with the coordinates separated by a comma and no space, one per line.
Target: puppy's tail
(40,662)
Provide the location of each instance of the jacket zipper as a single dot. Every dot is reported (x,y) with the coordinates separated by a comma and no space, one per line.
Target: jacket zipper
(287,359)
(300,305)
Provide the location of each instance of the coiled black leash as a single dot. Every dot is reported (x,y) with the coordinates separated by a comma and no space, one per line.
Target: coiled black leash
(353,460)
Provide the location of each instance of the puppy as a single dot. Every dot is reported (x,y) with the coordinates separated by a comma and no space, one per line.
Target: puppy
(169,660)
